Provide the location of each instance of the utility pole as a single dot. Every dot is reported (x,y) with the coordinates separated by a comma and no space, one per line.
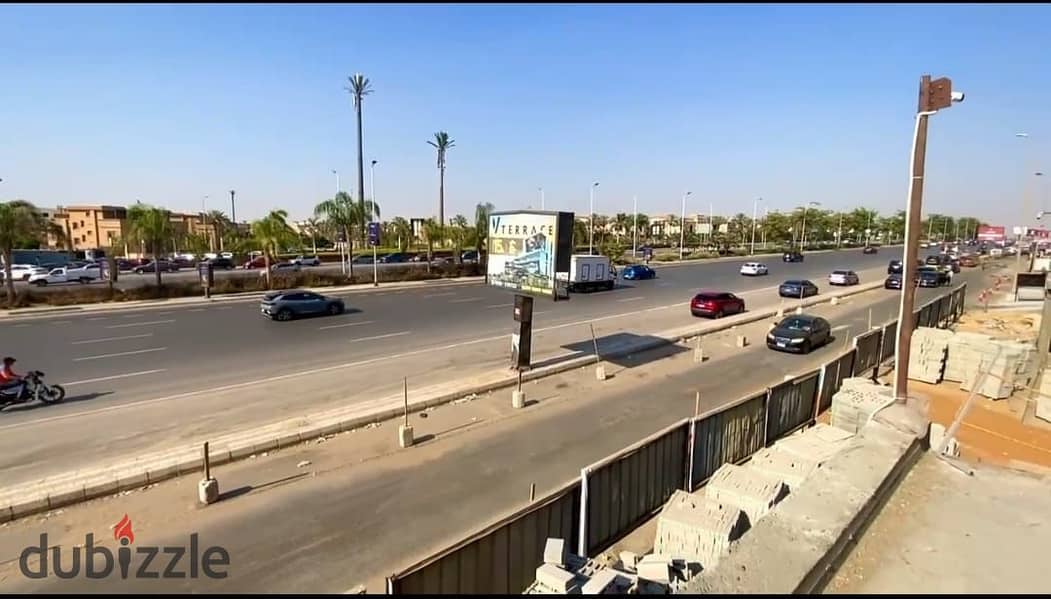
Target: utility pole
(682,225)
(934,96)
(233,209)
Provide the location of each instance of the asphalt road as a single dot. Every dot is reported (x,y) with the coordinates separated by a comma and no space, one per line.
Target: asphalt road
(161,376)
(372,510)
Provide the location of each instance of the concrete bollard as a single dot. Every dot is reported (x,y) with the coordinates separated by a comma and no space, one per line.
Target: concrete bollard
(835,300)
(405,435)
(742,341)
(517,399)
(781,312)
(698,354)
(799,309)
(600,372)
(208,491)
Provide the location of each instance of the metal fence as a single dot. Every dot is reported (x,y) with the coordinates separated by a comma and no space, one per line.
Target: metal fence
(834,373)
(614,495)
(790,405)
(626,488)
(727,436)
(499,559)
(868,348)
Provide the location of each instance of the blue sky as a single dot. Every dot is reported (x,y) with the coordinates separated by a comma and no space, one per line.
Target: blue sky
(167,104)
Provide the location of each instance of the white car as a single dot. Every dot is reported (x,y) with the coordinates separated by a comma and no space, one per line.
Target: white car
(307,261)
(843,277)
(281,268)
(754,269)
(52,277)
(22,272)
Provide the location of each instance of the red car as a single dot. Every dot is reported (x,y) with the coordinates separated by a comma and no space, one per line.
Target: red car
(257,262)
(716,304)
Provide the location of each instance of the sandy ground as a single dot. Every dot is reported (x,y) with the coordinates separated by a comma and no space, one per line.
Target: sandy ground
(945,532)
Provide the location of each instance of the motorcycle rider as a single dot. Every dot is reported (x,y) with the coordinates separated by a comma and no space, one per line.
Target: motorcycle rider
(8,378)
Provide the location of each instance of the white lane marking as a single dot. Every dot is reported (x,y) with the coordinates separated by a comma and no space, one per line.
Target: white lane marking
(447,293)
(499,306)
(164,313)
(118,354)
(225,308)
(63,322)
(105,317)
(398,334)
(18,326)
(130,316)
(630,299)
(139,324)
(196,310)
(349,324)
(104,339)
(541,311)
(116,376)
(465,300)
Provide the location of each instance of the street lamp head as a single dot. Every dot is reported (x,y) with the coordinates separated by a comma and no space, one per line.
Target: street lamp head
(1021,135)
(956,96)
(374,162)
(595,184)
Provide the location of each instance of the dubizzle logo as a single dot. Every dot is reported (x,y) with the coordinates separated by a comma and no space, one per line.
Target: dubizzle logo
(98,562)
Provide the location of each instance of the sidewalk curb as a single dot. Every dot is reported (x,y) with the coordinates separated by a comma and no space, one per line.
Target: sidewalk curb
(75,486)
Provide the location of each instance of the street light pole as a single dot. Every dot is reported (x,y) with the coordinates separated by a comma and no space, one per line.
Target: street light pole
(541,190)
(591,218)
(682,225)
(755,215)
(336,173)
(372,185)
(233,209)
(839,232)
(934,95)
(802,235)
(635,227)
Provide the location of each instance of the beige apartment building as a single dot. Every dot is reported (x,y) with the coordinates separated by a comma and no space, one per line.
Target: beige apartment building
(91,227)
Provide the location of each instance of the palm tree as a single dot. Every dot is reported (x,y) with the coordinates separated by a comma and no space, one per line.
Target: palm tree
(338,212)
(20,221)
(359,88)
(313,228)
(272,232)
(442,143)
(432,230)
(152,227)
(219,224)
(459,235)
(402,230)
(481,227)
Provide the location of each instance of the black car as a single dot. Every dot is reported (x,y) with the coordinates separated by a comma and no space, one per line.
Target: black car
(362,259)
(797,288)
(223,263)
(397,257)
(292,303)
(792,256)
(896,267)
(152,266)
(799,333)
(932,277)
(870,249)
(893,281)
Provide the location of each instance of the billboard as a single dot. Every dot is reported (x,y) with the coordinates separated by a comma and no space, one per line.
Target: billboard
(987,233)
(524,248)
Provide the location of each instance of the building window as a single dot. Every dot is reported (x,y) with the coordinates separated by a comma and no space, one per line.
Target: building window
(109,235)
(82,223)
(83,238)
(74,225)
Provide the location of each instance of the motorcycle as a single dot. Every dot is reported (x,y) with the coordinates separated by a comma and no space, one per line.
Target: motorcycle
(33,387)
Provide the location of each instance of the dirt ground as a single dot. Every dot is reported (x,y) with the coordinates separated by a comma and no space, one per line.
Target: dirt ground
(1002,324)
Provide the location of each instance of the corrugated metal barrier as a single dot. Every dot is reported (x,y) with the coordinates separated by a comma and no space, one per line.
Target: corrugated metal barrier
(628,487)
(834,372)
(890,342)
(868,346)
(727,436)
(790,405)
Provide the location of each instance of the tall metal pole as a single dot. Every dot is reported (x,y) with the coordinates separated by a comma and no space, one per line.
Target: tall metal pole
(541,190)
(711,221)
(336,173)
(635,227)
(839,232)
(755,215)
(1025,202)
(233,209)
(375,264)
(591,218)
(682,225)
(802,235)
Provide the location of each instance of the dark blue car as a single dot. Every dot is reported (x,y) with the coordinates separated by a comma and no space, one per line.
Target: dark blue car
(797,288)
(293,303)
(637,272)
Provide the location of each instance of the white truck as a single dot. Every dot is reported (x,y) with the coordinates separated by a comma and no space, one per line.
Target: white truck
(589,273)
(83,274)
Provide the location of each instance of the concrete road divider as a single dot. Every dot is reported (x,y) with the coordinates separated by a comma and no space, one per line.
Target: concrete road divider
(80,485)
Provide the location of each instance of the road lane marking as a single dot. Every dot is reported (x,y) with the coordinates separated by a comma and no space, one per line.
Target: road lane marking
(118,354)
(139,324)
(164,313)
(104,339)
(541,311)
(349,324)
(114,377)
(630,299)
(105,317)
(63,322)
(499,306)
(447,293)
(225,308)
(196,310)
(398,334)
(465,300)
(18,326)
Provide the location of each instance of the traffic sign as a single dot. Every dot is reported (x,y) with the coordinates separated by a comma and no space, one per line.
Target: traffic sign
(374,234)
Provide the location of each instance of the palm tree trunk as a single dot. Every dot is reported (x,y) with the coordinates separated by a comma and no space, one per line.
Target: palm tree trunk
(156,263)
(266,265)
(350,251)
(361,177)
(8,282)
(441,196)
(313,240)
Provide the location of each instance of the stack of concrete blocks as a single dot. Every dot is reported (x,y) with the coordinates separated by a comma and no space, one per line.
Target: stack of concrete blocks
(752,491)
(965,349)
(854,403)
(1007,363)
(927,358)
(698,529)
(563,573)
(783,465)
(818,443)
(952,448)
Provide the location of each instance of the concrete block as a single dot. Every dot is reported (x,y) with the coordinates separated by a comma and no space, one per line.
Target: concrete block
(66,495)
(5,514)
(799,309)
(131,478)
(218,456)
(1043,408)
(100,486)
(751,491)
(602,581)
(554,579)
(238,452)
(405,435)
(288,439)
(742,341)
(793,470)
(266,444)
(600,372)
(938,436)
(695,527)
(655,568)
(208,491)
(555,552)
(164,471)
(628,560)
(835,300)
(333,428)
(517,399)
(29,505)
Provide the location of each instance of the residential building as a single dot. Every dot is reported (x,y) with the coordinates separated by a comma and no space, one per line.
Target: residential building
(89,227)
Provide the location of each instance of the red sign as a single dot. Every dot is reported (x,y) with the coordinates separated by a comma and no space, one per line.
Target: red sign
(1039,234)
(987,233)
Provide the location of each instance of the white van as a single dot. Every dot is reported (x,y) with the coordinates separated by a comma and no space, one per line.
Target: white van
(589,273)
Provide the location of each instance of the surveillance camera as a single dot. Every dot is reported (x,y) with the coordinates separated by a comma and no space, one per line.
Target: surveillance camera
(956,96)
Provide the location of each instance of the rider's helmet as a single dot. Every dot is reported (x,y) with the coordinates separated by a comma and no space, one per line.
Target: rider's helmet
(9,361)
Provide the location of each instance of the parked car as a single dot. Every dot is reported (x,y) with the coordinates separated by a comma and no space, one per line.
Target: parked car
(85,274)
(20,272)
(716,304)
(843,277)
(183,262)
(282,268)
(636,272)
(968,261)
(257,262)
(292,303)
(221,262)
(793,256)
(152,266)
(870,249)
(799,333)
(396,257)
(55,276)
(469,257)
(754,269)
(797,288)
(307,260)
(126,264)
